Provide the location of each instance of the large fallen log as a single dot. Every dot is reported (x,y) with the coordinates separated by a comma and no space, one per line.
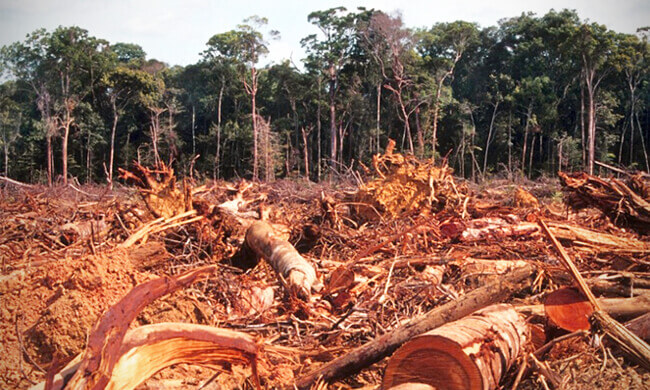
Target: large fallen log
(386,344)
(284,258)
(471,353)
(148,349)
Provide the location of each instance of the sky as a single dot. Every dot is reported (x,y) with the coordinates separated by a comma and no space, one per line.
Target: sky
(176,31)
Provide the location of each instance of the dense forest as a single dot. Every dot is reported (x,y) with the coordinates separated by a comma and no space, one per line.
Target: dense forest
(530,96)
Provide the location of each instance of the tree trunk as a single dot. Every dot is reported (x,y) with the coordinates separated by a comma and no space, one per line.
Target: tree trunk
(529,114)
(193,130)
(318,135)
(530,159)
(217,156)
(582,125)
(591,129)
(253,93)
(378,129)
(490,135)
(436,110)
(305,152)
(64,152)
(471,353)
(112,152)
(333,143)
(384,345)
(283,257)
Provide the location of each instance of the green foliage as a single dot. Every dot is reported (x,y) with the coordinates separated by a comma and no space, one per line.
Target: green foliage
(491,93)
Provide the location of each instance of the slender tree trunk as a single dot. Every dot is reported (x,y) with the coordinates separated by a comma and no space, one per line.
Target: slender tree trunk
(418,130)
(50,158)
(591,124)
(436,111)
(532,152)
(332,94)
(378,129)
(529,114)
(490,135)
(193,130)
(645,151)
(88,158)
(66,135)
(217,156)
(305,151)
(318,131)
(112,151)
(255,130)
(582,125)
(510,145)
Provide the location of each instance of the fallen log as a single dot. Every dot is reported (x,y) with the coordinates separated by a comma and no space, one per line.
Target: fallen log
(615,307)
(151,348)
(640,326)
(471,353)
(284,258)
(386,344)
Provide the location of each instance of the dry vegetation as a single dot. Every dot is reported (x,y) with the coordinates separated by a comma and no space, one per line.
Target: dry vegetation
(407,241)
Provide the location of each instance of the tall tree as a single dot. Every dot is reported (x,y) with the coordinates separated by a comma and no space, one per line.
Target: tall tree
(330,53)
(441,48)
(245,46)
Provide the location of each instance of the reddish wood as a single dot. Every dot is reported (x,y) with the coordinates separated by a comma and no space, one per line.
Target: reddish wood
(386,344)
(471,353)
(105,340)
(568,309)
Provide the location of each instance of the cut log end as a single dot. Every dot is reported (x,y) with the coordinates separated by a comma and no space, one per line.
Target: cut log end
(568,309)
(435,361)
(471,353)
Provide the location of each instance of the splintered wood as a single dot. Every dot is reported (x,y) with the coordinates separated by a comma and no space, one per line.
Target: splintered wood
(413,280)
(626,204)
(406,184)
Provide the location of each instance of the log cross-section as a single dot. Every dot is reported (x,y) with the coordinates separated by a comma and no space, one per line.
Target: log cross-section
(471,353)
(284,258)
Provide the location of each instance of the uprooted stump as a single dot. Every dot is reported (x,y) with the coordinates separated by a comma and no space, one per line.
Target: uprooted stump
(625,204)
(158,189)
(405,184)
(471,353)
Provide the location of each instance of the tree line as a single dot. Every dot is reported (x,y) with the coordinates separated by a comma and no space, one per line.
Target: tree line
(530,96)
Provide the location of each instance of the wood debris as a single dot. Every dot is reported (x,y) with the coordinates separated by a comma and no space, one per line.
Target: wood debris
(133,286)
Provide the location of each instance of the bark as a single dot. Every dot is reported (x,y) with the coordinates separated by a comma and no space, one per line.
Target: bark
(332,94)
(490,135)
(112,152)
(305,151)
(386,344)
(621,308)
(217,155)
(640,326)
(105,341)
(529,113)
(471,353)
(284,258)
(253,94)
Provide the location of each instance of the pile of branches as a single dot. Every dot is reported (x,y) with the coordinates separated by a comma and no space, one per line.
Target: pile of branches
(626,204)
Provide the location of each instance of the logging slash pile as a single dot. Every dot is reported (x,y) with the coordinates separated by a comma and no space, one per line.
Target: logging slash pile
(412,279)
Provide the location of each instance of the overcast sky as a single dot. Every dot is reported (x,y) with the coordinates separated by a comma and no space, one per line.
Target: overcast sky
(176,31)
